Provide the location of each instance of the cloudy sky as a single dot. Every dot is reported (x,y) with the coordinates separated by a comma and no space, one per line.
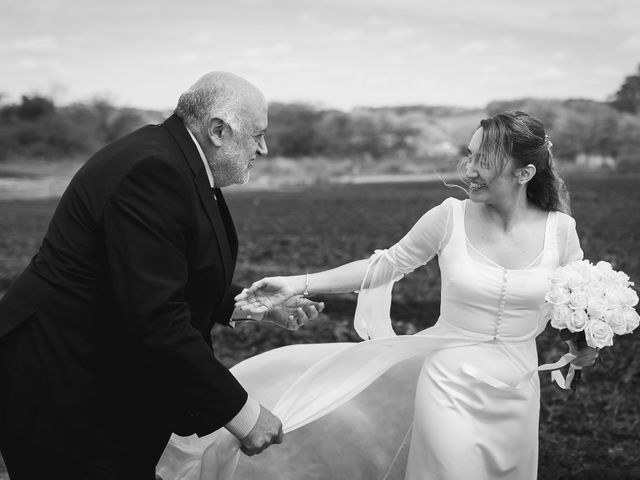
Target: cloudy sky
(338,53)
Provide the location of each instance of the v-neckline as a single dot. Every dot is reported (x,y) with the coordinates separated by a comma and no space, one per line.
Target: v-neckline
(530,266)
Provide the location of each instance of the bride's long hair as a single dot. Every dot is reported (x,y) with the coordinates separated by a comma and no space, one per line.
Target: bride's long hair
(521,137)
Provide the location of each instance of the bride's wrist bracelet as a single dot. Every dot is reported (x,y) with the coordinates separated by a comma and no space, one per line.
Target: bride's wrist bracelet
(305,294)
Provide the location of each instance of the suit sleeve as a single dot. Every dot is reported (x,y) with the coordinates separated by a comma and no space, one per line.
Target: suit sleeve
(228,305)
(145,227)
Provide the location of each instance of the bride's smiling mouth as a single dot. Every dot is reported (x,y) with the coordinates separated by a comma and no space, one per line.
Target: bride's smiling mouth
(475,186)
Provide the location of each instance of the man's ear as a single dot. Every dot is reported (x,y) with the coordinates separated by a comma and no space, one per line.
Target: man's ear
(525,174)
(216,131)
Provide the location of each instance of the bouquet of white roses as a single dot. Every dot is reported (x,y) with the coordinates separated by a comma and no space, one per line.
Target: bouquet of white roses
(592,303)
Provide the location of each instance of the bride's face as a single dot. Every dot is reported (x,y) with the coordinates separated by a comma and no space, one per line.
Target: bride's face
(487,181)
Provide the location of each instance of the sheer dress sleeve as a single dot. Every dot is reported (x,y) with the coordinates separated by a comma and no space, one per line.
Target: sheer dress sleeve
(424,241)
(570,247)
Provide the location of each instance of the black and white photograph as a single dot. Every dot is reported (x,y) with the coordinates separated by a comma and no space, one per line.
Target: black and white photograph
(319,240)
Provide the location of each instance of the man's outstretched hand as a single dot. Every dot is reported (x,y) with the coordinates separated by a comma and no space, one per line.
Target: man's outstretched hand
(264,295)
(294,313)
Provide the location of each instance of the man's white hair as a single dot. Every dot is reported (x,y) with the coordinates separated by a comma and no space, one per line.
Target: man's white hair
(210,99)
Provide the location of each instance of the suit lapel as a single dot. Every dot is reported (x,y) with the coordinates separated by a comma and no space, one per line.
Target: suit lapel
(206,194)
(232,236)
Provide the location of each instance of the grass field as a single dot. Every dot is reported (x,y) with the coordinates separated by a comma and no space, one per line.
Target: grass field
(588,435)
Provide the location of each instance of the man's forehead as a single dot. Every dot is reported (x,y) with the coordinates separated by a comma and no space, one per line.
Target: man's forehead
(256,114)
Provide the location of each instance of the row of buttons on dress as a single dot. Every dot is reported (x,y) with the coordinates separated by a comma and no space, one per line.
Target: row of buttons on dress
(503,301)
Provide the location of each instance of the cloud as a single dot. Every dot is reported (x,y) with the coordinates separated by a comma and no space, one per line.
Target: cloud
(474,46)
(341,35)
(36,44)
(265,51)
(421,47)
(549,73)
(343,51)
(605,71)
(46,5)
(275,58)
(597,11)
(559,55)
(399,33)
(264,65)
(30,63)
(508,44)
(308,17)
(201,38)
(632,43)
(377,20)
(182,59)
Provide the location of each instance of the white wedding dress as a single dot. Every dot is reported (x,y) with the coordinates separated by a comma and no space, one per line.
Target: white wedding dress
(457,401)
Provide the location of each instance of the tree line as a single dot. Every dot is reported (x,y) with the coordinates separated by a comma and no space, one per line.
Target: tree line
(35,127)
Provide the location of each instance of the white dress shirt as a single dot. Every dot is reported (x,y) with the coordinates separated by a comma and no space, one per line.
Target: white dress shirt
(247,417)
(204,159)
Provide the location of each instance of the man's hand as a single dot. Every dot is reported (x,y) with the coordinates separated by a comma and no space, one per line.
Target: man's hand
(267,431)
(294,313)
(264,295)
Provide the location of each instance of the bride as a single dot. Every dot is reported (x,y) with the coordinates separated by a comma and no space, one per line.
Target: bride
(463,394)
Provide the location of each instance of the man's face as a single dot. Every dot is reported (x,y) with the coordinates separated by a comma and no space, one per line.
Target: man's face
(242,146)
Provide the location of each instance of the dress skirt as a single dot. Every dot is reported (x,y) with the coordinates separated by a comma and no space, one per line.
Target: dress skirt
(466,428)
(435,405)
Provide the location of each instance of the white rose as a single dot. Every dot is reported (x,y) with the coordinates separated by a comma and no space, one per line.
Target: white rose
(616,320)
(621,278)
(594,289)
(580,265)
(630,297)
(604,266)
(631,318)
(579,300)
(577,321)
(596,276)
(560,316)
(588,268)
(616,297)
(597,307)
(598,334)
(557,296)
(576,280)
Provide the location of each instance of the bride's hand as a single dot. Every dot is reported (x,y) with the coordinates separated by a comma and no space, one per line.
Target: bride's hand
(585,357)
(264,295)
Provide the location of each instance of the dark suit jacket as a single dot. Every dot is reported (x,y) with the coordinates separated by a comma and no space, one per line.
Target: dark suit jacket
(110,323)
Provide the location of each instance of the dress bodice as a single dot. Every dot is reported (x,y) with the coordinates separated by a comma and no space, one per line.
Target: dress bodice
(479,298)
(482,297)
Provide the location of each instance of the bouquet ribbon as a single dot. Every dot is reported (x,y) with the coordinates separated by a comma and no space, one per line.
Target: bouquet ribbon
(556,375)
(565,382)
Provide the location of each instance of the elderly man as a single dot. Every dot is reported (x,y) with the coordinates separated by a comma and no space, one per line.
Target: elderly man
(105,345)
